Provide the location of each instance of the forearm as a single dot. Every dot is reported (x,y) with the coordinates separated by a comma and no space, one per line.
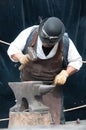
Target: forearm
(16,56)
(71,70)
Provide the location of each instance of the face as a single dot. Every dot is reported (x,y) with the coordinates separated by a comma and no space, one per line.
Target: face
(48,41)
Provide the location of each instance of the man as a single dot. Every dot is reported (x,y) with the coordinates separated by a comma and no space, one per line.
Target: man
(49,49)
(50,45)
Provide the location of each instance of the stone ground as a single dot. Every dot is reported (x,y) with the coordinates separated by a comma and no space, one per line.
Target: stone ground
(74,125)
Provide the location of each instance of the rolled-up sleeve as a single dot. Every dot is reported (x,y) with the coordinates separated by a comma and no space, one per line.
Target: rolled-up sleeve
(74,58)
(19,43)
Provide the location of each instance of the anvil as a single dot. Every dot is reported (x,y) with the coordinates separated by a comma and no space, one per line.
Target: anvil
(29,96)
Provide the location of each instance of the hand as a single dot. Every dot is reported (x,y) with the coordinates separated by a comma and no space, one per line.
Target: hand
(24,59)
(61,78)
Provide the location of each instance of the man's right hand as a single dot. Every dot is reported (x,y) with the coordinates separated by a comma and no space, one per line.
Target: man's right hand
(24,59)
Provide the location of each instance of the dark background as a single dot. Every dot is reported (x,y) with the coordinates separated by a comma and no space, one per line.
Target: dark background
(15,15)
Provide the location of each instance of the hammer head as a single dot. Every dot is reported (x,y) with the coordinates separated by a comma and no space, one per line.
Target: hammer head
(32,54)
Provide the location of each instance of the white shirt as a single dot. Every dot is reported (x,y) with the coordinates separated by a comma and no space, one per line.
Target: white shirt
(74,58)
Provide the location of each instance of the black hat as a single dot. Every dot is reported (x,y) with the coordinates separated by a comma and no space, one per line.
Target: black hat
(51,30)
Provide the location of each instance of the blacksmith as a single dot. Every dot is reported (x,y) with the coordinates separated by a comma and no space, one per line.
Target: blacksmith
(57,56)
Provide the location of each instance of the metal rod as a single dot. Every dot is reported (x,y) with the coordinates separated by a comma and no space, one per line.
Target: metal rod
(5,119)
(4,42)
(75,108)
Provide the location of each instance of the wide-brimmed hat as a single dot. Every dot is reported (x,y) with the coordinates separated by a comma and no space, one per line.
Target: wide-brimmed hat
(51,30)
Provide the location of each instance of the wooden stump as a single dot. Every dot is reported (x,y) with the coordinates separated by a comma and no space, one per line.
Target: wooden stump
(29,119)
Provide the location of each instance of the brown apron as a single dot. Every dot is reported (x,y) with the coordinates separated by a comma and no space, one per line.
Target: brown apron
(44,70)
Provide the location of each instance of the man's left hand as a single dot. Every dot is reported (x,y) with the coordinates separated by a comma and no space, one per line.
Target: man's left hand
(61,78)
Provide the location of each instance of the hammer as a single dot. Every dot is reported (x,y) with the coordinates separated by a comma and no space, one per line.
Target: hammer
(32,56)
